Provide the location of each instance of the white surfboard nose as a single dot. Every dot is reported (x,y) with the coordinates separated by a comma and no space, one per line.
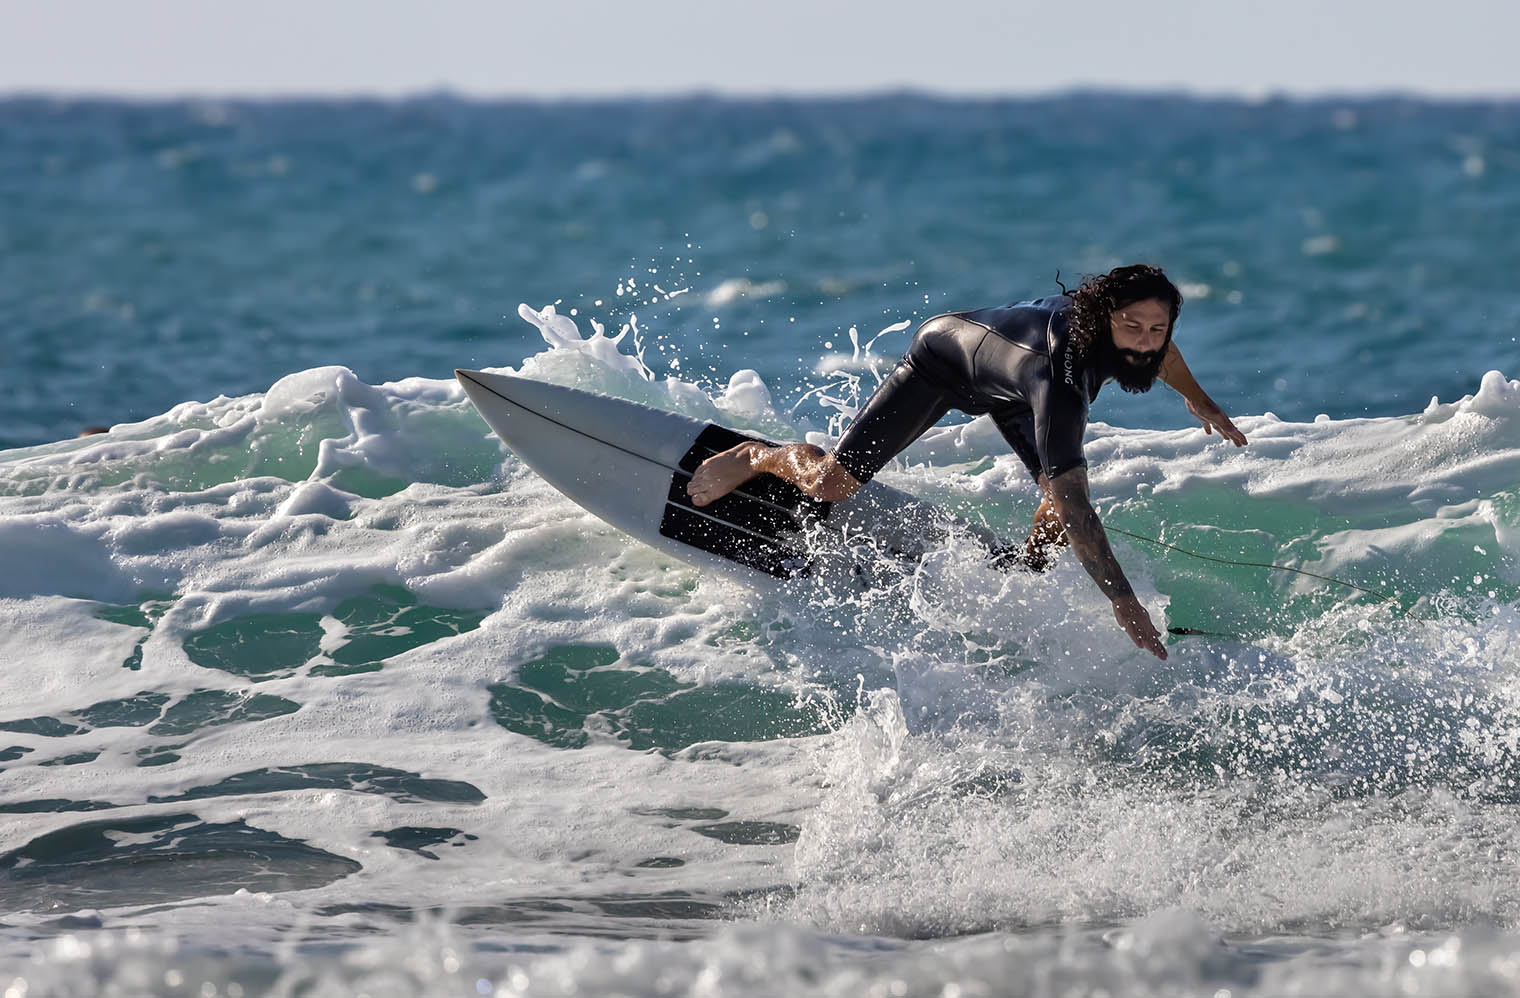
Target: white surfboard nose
(651,434)
(473,387)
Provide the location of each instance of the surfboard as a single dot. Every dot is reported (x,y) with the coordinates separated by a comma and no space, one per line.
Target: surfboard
(629,465)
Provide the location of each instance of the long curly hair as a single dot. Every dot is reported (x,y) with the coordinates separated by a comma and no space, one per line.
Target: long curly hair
(1098,297)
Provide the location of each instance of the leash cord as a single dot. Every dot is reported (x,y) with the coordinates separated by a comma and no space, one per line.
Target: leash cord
(1192,631)
(1253,564)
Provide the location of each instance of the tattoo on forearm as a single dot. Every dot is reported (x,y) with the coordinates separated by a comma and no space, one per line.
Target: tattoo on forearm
(1085,532)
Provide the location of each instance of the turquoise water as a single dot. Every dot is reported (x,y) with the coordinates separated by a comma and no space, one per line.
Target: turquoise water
(312,688)
(1346,258)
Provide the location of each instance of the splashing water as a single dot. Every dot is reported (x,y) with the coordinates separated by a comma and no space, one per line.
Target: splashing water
(386,714)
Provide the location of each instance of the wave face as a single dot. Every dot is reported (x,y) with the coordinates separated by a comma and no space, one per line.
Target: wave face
(319,690)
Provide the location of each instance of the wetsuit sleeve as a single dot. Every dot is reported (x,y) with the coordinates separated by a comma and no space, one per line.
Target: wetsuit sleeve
(1060,421)
(1017,427)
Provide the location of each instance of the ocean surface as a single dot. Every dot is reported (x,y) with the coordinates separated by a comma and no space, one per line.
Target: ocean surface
(309,687)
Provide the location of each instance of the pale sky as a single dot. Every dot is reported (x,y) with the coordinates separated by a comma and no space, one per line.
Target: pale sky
(580,48)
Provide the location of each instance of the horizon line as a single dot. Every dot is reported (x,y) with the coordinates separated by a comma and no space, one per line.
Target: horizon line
(1244,95)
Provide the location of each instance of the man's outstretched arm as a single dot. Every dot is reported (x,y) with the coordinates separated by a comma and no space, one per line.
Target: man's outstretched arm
(1084,531)
(1174,371)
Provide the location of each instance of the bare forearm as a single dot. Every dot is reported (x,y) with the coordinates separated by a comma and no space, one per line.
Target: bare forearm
(1175,372)
(1085,533)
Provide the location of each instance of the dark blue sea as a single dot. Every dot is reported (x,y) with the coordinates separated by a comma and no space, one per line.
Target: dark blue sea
(310,687)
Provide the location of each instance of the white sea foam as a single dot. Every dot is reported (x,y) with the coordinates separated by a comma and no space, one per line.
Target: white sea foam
(1014,765)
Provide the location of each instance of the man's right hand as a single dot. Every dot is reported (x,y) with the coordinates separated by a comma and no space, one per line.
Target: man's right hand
(1207,412)
(1137,624)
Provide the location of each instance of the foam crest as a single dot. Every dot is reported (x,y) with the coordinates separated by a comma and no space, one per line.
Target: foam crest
(561,333)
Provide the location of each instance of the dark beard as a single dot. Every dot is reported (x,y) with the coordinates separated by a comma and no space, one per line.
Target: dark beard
(1134,371)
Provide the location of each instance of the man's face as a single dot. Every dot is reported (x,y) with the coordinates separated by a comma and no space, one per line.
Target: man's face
(1141,332)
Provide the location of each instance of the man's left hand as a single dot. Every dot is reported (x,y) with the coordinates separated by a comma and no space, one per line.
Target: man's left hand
(1213,418)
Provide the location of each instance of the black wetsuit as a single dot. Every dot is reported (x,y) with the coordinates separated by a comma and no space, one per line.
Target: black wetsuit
(1013,363)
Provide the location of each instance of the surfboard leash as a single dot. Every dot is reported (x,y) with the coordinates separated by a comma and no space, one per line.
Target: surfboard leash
(1195,632)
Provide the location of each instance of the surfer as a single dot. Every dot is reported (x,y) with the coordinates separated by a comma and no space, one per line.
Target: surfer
(1034,367)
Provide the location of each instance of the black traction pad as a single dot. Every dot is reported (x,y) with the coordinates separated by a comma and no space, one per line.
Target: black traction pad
(753,525)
